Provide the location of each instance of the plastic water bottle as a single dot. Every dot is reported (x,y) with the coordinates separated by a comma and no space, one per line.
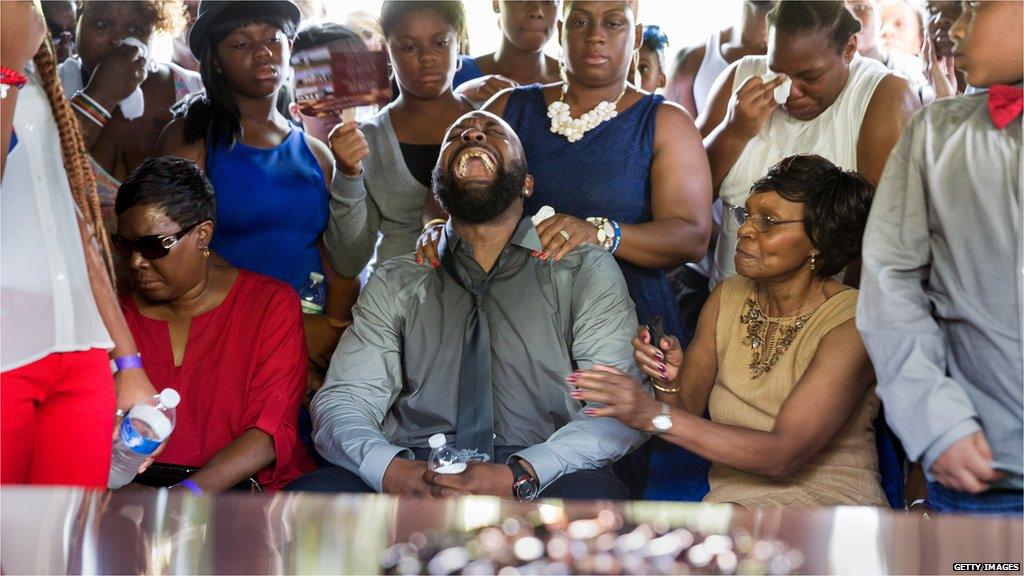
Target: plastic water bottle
(143,429)
(314,295)
(443,458)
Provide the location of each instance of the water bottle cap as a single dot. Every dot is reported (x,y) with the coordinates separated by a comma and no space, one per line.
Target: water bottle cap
(154,418)
(316,277)
(169,397)
(437,440)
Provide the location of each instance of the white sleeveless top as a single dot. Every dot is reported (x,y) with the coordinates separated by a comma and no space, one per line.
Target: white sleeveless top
(832,135)
(711,67)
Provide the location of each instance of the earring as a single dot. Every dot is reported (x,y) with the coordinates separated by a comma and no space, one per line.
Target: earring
(563,74)
(206,252)
(813,263)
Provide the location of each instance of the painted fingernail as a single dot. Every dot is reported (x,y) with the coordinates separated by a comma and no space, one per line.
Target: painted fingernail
(534,253)
(543,255)
(589,411)
(572,377)
(661,368)
(435,264)
(664,377)
(575,394)
(660,356)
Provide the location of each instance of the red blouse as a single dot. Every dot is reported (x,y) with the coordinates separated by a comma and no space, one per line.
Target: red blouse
(244,367)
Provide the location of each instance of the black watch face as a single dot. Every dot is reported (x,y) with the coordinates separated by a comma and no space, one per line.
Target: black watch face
(526,491)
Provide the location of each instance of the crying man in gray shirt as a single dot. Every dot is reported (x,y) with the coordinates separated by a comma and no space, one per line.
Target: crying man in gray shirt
(479,349)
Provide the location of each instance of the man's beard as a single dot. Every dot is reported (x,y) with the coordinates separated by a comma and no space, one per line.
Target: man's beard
(478,204)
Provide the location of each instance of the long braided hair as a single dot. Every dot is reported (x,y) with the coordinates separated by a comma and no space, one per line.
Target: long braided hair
(76,157)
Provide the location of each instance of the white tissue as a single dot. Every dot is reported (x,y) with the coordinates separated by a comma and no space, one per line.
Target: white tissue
(782,91)
(134,105)
(543,214)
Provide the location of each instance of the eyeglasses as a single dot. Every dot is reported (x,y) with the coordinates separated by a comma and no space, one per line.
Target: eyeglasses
(151,247)
(760,222)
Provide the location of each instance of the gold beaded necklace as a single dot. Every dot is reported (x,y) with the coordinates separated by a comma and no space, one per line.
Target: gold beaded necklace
(766,345)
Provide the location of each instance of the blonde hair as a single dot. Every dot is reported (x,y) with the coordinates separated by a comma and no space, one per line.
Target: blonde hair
(76,158)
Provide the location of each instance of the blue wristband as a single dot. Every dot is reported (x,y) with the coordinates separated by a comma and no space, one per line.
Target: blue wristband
(192,487)
(126,362)
(618,236)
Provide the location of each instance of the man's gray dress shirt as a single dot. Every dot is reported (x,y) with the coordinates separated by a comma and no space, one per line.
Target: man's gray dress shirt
(393,381)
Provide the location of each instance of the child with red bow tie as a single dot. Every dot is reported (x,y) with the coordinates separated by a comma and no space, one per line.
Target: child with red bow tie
(941,288)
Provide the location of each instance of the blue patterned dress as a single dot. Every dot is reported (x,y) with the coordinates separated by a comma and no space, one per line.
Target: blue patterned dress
(607,173)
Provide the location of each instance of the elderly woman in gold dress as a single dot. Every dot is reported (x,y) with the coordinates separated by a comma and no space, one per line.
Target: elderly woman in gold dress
(777,360)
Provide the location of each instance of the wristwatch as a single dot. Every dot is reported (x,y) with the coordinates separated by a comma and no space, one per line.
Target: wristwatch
(662,422)
(524,486)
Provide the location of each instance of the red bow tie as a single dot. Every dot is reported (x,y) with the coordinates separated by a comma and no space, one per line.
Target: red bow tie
(1005,103)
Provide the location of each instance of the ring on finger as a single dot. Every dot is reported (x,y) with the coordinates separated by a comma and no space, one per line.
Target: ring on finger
(564,234)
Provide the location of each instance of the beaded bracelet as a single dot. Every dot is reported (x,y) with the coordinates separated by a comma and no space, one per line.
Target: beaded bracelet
(10,79)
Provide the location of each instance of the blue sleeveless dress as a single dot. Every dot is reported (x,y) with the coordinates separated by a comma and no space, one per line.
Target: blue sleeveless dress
(272,206)
(607,173)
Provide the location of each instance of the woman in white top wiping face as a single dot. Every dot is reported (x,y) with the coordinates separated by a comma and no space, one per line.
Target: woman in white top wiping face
(841,106)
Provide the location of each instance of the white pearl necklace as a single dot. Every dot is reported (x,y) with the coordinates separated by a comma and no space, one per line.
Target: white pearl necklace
(574,128)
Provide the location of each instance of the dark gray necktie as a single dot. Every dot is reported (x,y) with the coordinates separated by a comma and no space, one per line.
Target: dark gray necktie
(475,420)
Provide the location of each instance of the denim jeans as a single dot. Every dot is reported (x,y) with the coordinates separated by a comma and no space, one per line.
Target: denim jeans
(990,503)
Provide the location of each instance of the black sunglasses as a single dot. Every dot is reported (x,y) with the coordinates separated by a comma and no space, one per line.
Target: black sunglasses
(151,247)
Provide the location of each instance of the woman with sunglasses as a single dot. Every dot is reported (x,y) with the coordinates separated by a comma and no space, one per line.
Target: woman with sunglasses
(777,360)
(230,341)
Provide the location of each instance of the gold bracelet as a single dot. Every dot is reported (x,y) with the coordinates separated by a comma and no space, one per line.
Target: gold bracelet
(665,390)
(432,223)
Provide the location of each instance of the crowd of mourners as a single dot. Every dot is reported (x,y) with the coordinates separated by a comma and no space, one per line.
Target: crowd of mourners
(783,269)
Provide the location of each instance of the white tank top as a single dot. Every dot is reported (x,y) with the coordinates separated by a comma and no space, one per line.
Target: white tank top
(832,135)
(711,67)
